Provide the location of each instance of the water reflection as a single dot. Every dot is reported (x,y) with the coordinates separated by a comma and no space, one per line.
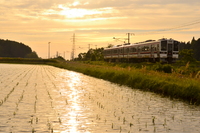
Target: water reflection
(75,103)
(75,79)
(49,99)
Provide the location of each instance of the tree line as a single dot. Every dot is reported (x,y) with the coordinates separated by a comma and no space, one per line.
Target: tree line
(15,49)
(190,51)
(91,55)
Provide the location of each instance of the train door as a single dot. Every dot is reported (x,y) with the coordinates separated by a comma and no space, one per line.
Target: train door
(138,49)
(169,50)
(152,58)
(158,52)
(152,51)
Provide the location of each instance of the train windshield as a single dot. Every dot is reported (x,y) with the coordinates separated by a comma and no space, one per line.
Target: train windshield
(163,45)
(176,45)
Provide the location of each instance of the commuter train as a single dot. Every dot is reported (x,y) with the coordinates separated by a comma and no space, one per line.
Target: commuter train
(165,50)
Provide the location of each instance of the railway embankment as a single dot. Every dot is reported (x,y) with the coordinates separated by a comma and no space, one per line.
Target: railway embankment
(174,84)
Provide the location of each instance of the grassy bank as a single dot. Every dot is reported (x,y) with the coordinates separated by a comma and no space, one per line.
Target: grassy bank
(174,85)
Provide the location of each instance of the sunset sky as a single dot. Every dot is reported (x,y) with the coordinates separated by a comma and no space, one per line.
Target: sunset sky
(95,22)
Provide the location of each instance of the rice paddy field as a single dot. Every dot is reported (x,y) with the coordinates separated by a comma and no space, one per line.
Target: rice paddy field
(46,99)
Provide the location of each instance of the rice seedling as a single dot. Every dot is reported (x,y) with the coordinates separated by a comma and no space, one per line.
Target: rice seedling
(119,118)
(36,120)
(138,120)
(33,130)
(173,117)
(165,122)
(49,125)
(51,130)
(31,121)
(66,102)
(35,107)
(154,130)
(59,120)
(131,124)
(153,120)
(124,120)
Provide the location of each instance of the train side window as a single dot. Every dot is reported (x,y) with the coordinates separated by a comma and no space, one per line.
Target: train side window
(133,49)
(126,50)
(145,48)
(152,48)
(163,45)
(138,49)
(155,47)
(115,51)
(142,49)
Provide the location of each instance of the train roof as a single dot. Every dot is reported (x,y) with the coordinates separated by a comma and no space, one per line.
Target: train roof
(140,43)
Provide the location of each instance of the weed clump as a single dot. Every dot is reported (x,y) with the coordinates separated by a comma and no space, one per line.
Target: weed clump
(167,68)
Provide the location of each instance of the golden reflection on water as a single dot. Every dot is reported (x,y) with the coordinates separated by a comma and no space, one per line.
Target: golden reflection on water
(75,105)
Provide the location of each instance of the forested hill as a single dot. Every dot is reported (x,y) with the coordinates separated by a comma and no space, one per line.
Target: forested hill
(15,49)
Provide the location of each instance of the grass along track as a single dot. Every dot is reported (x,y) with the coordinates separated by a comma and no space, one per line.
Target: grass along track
(172,85)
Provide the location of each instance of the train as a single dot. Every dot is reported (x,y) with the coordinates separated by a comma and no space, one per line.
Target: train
(162,50)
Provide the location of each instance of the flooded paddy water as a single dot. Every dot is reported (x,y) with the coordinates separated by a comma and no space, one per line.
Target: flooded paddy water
(39,99)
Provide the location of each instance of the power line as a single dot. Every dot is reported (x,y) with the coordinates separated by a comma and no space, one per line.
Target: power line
(173,28)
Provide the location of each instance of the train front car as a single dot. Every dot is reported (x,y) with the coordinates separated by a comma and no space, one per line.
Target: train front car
(169,50)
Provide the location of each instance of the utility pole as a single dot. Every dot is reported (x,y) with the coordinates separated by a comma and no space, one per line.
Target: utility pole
(89,46)
(49,50)
(129,34)
(73,47)
(57,54)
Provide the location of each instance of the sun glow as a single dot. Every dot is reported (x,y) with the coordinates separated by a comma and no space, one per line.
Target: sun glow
(80,13)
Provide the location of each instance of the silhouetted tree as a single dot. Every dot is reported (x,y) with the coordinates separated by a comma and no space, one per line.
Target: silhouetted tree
(15,49)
